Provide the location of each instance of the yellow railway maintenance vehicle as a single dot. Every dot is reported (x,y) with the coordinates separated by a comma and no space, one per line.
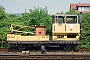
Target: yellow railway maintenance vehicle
(66,30)
(65,34)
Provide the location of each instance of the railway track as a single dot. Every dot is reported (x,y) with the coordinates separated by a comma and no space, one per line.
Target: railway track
(36,55)
(40,57)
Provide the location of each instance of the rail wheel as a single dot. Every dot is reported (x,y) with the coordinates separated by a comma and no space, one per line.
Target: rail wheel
(75,47)
(67,47)
(17,47)
(20,47)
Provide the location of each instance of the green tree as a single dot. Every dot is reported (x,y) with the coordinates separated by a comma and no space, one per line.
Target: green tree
(85,30)
(2,13)
(39,16)
(26,18)
(72,12)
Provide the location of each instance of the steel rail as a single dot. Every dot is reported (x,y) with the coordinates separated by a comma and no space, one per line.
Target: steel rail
(45,57)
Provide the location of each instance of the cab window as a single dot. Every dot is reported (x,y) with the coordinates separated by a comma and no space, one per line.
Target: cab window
(60,19)
(71,19)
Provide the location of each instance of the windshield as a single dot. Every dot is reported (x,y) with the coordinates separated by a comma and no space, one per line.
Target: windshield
(71,19)
(60,19)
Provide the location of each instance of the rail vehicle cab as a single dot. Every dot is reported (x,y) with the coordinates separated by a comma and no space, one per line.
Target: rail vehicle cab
(65,27)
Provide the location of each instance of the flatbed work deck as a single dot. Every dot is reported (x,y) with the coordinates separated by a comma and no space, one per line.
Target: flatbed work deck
(45,42)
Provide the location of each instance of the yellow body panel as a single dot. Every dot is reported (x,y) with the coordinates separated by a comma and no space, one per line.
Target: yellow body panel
(55,38)
(12,37)
(72,28)
(63,30)
(58,28)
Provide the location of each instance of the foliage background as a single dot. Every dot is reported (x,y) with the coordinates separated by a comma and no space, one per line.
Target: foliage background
(39,16)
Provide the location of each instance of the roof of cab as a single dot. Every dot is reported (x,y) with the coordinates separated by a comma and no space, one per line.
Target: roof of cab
(64,15)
